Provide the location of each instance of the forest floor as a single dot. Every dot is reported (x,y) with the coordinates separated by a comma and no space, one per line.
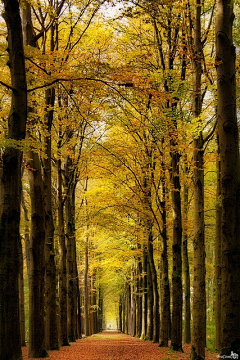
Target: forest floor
(110,345)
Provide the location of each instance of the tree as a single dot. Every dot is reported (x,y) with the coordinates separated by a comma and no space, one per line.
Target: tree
(10,190)
(199,297)
(230,186)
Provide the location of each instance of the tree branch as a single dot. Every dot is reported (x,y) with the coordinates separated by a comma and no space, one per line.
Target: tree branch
(8,86)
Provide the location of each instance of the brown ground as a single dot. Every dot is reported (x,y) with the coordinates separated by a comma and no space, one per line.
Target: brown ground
(117,346)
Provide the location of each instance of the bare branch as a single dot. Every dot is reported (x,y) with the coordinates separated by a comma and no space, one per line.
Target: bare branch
(8,86)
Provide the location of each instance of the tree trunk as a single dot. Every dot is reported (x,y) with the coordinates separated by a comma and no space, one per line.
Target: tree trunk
(79,312)
(127,307)
(156,323)
(70,185)
(86,291)
(149,330)
(37,259)
(37,233)
(186,274)
(165,328)
(133,305)
(120,312)
(21,298)
(229,151)
(176,335)
(10,190)
(51,331)
(139,298)
(144,294)
(26,231)
(63,263)
(218,261)
(199,289)
(165,293)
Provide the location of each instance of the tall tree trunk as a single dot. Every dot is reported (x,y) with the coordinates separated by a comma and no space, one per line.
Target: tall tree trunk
(63,263)
(199,289)
(165,293)
(51,331)
(120,312)
(21,298)
(37,259)
(156,322)
(230,189)
(79,312)
(127,307)
(133,305)
(71,264)
(165,316)
(86,287)
(26,231)
(176,335)
(100,310)
(218,254)
(138,297)
(186,274)
(149,330)
(70,185)
(10,190)
(144,293)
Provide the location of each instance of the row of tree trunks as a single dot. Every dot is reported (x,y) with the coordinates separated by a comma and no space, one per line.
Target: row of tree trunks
(138,305)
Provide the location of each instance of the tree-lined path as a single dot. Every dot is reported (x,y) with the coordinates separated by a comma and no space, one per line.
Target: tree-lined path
(110,345)
(119,179)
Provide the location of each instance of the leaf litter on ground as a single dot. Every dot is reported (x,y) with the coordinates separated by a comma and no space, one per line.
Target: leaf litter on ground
(109,345)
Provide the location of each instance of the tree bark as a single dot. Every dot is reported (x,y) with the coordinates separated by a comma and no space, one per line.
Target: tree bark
(156,320)
(165,315)
(86,287)
(62,262)
(21,299)
(144,293)
(10,190)
(133,305)
(70,186)
(120,313)
(139,297)
(149,330)
(26,231)
(51,331)
(176,334)
(37,260)
(229,151)
(199,289)
(218,260)
(186,274)
(165,293)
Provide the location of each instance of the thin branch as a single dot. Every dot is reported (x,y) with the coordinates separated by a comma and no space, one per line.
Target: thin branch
(8,86)
(209,136)
(209,25)
(38,66)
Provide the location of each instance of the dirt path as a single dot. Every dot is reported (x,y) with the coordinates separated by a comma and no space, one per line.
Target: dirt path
(117,346)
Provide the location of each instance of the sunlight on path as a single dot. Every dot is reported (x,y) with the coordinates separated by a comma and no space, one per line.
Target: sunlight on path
(110,345)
